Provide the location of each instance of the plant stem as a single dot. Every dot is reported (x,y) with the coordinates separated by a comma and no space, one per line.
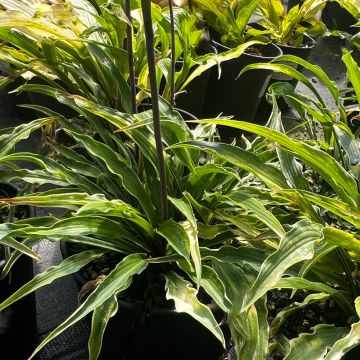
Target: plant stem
(149,35)
(173,50)
(130,57)
(132,81)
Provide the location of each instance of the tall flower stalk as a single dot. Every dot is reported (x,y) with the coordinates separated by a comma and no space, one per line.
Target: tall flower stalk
(130,52)
(173,54)
(132,82)
(149,35)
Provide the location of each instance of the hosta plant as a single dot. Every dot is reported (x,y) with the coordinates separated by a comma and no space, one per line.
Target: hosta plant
(323,191)
(337,125)
(240,223)
(288,27)
(227,18)
(79,46)
(235,223)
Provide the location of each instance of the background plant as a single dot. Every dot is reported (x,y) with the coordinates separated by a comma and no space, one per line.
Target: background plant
(288,27)
(227,18)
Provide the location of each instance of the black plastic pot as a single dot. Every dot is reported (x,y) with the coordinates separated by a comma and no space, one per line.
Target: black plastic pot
(17,322)
(136,333)
(292,3)
(337,18)
(302,52)
(192,100)
(11,102)
(239,97)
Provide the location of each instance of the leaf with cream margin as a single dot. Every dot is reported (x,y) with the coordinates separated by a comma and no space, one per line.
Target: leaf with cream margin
(184,296)
(296,245)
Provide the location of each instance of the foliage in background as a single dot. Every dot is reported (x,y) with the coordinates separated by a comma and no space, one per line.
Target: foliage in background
(227,18)
(243,221)
(288,27)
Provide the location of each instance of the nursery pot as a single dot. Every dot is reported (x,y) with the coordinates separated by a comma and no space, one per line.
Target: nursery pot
(192,99)
(11,102)
(302,52)
(17,322)
(134,334)
(138,333)
(336,17)
(239,97)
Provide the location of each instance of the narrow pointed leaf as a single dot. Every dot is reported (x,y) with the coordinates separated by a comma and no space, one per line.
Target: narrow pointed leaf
(100,319)
(315,345)
(69,266)
(118,280)
(177,237)
(332,172)
(259,211)
(184,296)
(241,158)
(295,246)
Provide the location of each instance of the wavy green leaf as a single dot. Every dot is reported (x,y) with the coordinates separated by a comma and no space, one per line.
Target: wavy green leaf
(100,319)
(295,246)
(190,227)
(117,281)
(332,172)
(259,211)
(69,266)
(241,158)
(348,342)
(287,311)
(314,346)
(184,296)
(176,236)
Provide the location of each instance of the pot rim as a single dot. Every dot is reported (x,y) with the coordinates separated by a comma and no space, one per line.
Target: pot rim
(280,52)
(312,44)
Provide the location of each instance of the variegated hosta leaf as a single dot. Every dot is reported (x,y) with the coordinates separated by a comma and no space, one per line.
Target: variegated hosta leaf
(100,319)
(345,344)
(249,329)
(85,204)
(241,255)
(285,312)
(314,346)
(295,246)
(129,178)
(107,230)
(243,159)
(69,266)
(259,211)
(336,206)
(177,237)
(118,280)
(55,169)
(296,283)
(343,239)
(184,296)
(326,165)
(21,132)
(190,227)
(252,332)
